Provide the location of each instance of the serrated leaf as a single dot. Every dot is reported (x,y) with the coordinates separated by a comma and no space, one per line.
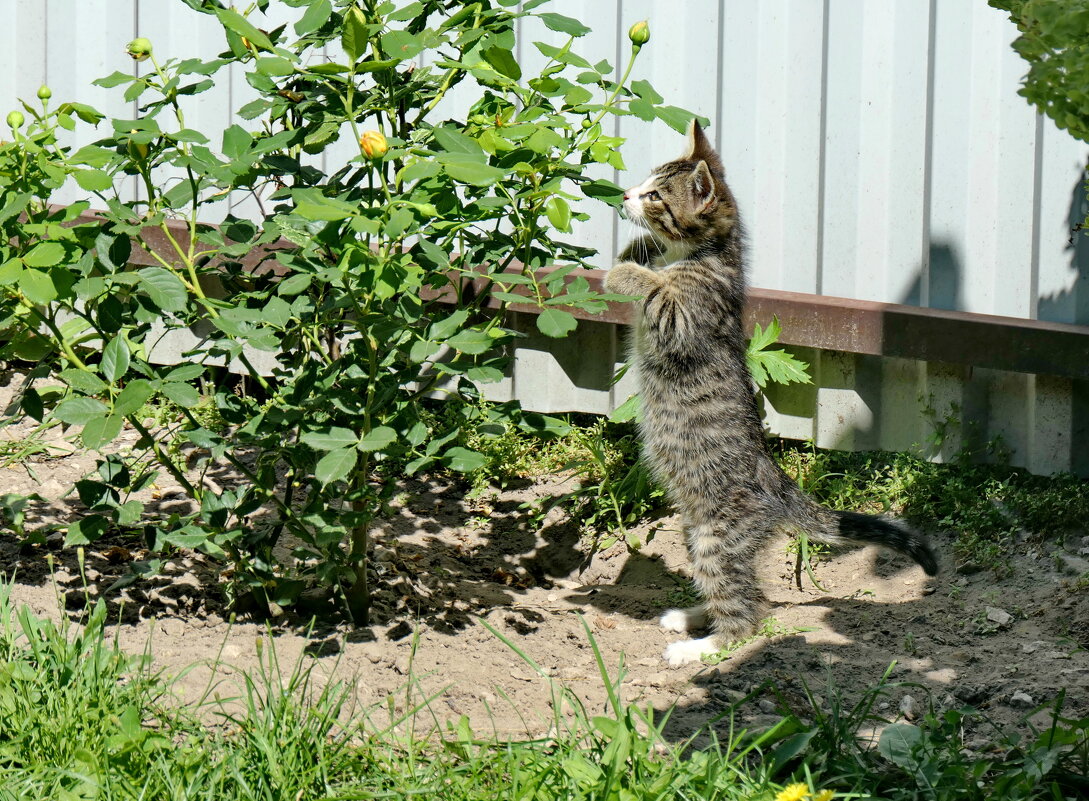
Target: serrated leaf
(463,460)
(115,359)
(132,397)
(86,382)
(86,530)
(93,180)
(627,411)
(101,431)
(163,288)
(503,61)
(556,322)
(274,66)
(38,286)
(603,190)
(377,439)
(44,254)
(317,13)
(79,411)
(293,284)
(331,439)
(353,36)
(469,169)
(336,465)
(184,395)
(234,21)
(564,24)
(471,340)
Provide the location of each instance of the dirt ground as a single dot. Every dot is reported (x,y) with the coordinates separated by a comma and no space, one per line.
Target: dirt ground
(446,562)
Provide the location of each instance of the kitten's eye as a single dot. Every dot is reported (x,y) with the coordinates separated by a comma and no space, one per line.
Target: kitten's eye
(651,197)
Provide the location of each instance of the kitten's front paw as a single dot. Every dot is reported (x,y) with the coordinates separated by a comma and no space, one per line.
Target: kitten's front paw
(685,651)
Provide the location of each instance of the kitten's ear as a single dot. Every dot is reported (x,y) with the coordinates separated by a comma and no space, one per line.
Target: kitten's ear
(700,147)
(703,186)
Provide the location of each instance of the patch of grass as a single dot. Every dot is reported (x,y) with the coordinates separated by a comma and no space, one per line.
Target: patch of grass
(987,507)
(80,719)
(769,629)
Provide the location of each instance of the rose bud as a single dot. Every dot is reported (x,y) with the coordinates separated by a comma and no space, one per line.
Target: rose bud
(44,92)
(15,120)
(373,144)
(139,49)
(639,33)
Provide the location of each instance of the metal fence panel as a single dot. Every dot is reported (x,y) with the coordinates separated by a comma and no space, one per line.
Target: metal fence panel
(878,150)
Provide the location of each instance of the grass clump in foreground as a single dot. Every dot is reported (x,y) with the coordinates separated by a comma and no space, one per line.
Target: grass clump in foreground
(79,719)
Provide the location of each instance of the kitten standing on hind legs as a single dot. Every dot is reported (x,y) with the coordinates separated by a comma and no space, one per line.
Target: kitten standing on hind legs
(701,430)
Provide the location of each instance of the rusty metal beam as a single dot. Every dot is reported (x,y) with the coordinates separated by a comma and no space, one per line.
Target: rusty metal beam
(818,321)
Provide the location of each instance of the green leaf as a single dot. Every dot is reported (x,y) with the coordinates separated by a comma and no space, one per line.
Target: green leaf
(236,142)
(274,66)
(556,322)
(185,372)
(471,340)
(646,91)
(132,397)
(402,44)
(898,743)
(185,395)
(564,24)
(603,190)
(678,118)
(317,13)
(559,213)
(163,288)
(353,36)
(234,21)
(79,411)
(503,61)
(336,465)
(93,180)
(463,460)
(470,170)
(377,439)
(293,284)
(331,439)
(101,431)
(44,254)
(87,530)
(115,359)
(38,286)
(92,156)
(81,380)
(627,411)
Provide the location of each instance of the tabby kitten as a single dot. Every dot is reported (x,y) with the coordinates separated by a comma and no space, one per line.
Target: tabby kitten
(701,431)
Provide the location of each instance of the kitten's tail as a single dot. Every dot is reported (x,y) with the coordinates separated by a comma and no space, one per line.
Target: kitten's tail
(834,527)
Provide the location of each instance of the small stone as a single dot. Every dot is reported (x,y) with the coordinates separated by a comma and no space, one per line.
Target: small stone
(909,708)
(869,636)
(373,653)
(552,598)
(1032,647)
(1000,617)
(767,706)
(1021,699)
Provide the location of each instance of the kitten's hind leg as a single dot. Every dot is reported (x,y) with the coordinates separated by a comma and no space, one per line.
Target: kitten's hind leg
(693,618)
(723,569)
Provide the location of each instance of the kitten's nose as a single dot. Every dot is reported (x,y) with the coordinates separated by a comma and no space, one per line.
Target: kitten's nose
(627,194)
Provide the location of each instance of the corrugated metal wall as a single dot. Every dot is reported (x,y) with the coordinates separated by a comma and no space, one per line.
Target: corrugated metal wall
(878,150)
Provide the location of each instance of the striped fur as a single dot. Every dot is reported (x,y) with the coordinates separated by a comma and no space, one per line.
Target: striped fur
(701,430)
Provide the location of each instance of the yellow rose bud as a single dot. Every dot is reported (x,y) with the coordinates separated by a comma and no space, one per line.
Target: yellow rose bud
(373,144)
(139,49)
(639,33)
(16,120)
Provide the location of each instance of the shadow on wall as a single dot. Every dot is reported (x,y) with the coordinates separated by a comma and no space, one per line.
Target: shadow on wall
(902,405)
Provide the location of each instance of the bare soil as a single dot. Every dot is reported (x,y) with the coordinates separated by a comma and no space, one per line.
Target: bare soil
(446,561)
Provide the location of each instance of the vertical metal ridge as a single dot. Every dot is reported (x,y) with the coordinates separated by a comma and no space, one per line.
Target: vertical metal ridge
(618,71)
(822,145)
(720,75)
(928,155)
(1037,191)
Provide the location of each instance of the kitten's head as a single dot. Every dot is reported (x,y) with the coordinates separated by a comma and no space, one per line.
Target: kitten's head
(685,200)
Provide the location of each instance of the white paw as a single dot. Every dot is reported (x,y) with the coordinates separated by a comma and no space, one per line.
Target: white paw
(684,651)
(674,620)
